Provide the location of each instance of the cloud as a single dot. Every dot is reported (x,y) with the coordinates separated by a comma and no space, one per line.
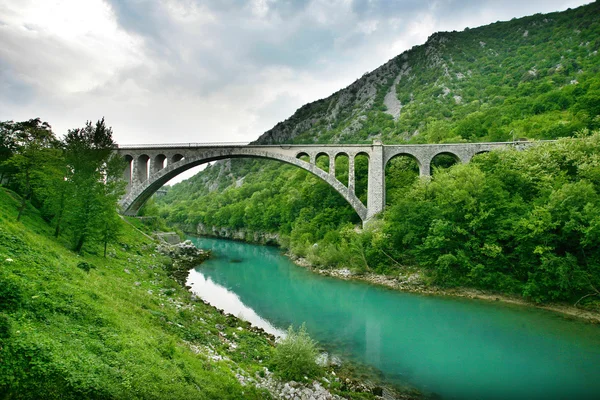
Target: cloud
(208,70)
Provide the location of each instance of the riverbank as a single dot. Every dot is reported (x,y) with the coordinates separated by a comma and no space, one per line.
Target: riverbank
(413,282)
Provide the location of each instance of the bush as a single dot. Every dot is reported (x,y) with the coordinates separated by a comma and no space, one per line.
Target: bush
(86,266)
(10,293)
(295,356)
(4,326)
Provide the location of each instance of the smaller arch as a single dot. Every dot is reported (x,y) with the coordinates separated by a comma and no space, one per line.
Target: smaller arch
(159,162)
(176,158)
(303,156)
(141,167)
(444,159)
(322,161)
(127,173)
(360,175)
(342,167)
(401,171)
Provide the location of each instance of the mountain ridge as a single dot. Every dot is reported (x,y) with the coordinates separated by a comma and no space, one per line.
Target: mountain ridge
(452,56)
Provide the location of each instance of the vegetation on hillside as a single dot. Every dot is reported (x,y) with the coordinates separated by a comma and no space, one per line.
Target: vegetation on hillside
(75,327)
(535,77)
(74,181)
(503,222)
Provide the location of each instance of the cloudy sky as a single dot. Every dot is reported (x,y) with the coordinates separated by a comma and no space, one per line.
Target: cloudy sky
(174,71)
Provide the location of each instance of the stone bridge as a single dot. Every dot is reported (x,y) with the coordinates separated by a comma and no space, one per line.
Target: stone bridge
(151,166)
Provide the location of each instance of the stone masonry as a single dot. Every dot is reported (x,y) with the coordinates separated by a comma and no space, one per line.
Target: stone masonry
(151,166)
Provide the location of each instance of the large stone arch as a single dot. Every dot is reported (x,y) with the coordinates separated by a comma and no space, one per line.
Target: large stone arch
(140,193)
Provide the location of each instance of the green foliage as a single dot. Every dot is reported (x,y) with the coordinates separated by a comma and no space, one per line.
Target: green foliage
(85,266)
(10,292)
(522,222)
(93,184)
(295,356)
(5,327)
(75,183)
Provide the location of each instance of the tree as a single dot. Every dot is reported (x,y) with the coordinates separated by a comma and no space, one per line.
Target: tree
(94,185)
(29,147)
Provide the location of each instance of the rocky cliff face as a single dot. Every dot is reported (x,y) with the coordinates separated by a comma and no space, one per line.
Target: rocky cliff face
(236,234)
(344,109)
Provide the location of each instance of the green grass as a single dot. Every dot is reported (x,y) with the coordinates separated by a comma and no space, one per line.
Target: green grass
(123,330)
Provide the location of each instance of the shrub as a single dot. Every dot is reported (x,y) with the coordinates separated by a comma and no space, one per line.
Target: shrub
(295,356)
(10,293)
(4,326)
(86,266)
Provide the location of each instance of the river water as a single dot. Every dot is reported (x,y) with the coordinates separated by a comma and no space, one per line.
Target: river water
(454,348)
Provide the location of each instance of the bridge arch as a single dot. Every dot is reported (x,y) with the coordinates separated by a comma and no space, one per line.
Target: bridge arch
(445,159)
(322,161)
(141,192)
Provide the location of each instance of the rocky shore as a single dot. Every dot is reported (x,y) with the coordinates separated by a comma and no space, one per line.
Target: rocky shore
(184,257)
(414,282)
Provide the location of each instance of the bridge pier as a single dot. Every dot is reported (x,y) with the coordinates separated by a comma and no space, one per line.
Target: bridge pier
(425,168)
(351,176)
(376,181)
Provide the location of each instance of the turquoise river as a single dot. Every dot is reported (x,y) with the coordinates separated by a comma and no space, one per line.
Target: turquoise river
(453,348)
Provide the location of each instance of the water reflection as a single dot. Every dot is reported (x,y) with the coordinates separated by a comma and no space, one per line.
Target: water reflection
(228,301)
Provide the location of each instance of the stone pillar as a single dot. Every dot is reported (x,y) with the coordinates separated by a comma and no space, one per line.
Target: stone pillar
(332,165)
(351,173)
(140,169)
(156,163)
(135,172)
(127,172)
(466,158)
(376,186)
(425,167)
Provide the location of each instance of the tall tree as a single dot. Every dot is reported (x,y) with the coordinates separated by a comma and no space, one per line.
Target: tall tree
(27,148)
(93,178)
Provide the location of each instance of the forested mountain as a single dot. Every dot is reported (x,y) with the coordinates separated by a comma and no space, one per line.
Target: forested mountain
(536,77)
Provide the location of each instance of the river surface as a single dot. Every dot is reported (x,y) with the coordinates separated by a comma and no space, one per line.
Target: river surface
(454,348)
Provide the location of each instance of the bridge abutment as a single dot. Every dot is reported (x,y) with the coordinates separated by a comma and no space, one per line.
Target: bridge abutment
(376,181)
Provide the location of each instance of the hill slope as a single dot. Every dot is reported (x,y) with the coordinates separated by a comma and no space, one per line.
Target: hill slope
(122,329)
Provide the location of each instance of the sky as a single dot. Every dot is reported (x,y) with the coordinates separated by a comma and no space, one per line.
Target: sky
(197,71)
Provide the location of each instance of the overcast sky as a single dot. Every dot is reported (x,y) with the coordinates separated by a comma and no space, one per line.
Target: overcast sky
(208,70)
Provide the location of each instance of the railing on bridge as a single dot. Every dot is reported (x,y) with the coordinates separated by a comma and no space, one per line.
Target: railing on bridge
(179,145)
(287,145)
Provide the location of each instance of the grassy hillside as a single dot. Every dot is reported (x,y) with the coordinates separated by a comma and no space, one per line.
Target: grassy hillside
(123,329)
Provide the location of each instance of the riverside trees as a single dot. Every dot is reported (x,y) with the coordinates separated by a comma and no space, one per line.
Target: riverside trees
(74,181)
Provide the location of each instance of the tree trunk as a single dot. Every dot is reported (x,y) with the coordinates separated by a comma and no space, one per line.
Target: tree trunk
(79,244)
(57,229)
(22,208)
(60,213)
